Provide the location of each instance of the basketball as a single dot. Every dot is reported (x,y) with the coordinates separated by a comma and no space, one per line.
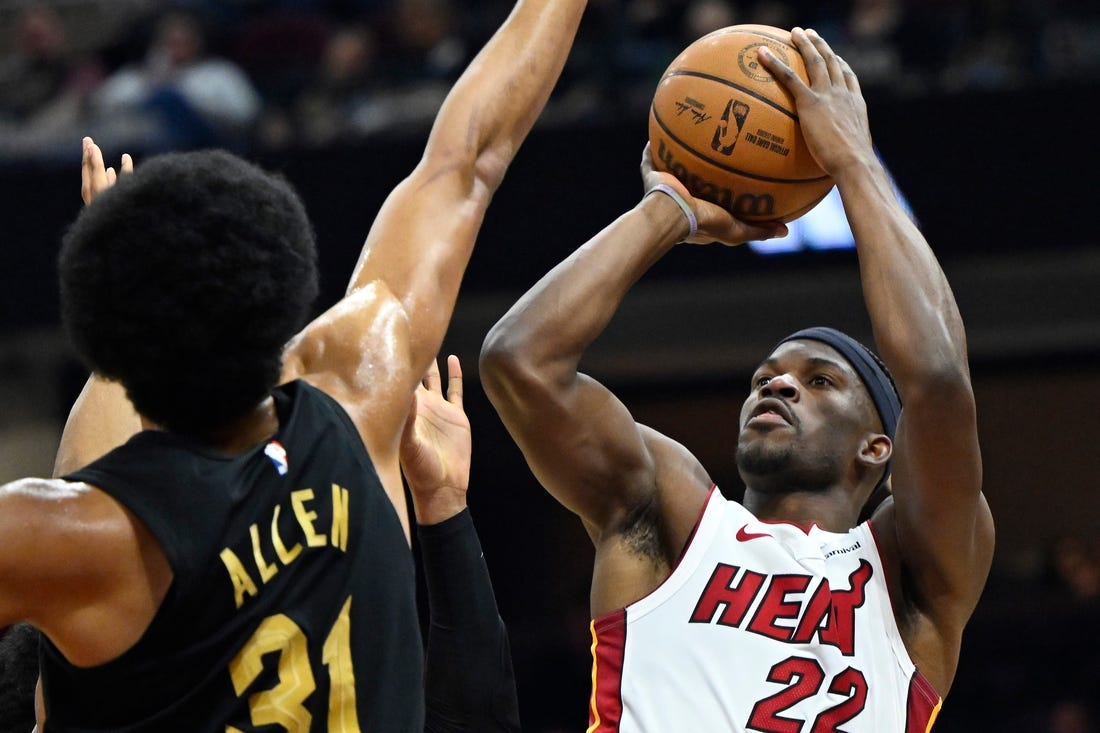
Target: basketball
(724,126)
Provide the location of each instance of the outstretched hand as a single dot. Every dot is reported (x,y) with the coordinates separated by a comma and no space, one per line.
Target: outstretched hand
(436,446)
(95,176)
(831,109)
(715,224)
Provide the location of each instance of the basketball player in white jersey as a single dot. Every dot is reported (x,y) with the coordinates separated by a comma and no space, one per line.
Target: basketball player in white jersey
(784,613)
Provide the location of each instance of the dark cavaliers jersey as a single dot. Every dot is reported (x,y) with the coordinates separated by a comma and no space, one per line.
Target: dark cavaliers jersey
(292,606)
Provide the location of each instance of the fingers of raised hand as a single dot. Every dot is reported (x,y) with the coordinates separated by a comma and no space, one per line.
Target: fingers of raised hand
(454,380)
(850,77)
(783,73)
(647,160)
(93,176)
(650,175)
(824,57)
(431,380)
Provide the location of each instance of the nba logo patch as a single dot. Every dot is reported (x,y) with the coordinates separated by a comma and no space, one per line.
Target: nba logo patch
(277,453)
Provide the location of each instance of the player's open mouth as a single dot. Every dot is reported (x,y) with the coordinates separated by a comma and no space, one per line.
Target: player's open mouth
(770,411)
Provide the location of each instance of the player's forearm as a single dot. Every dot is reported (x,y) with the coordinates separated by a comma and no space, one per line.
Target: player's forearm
(101,419)
(557,320)
(496,101)
(422,238)
(469,680)
(434,507)
(917,326)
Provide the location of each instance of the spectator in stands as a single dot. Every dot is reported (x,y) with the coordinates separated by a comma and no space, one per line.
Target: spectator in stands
(179,96)
(37,67)
(44,87)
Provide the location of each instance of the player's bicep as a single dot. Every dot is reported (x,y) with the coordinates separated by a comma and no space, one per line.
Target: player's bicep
(582,444)
(79,566)
(49,540)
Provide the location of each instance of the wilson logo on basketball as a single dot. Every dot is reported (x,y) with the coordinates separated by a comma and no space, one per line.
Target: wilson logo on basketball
(746,204)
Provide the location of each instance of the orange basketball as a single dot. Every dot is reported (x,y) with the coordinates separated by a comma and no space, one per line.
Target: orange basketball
(724,126)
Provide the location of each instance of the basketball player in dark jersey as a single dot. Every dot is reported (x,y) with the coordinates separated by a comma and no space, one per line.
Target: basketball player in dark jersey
(469,681)
(244,560)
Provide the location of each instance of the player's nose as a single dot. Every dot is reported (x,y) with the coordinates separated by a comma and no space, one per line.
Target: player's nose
(781,385)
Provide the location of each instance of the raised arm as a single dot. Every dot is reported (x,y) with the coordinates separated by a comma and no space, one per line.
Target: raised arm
(580,441)
(469,683)
(940,523)
(370,350)
(418,247)
(102,418)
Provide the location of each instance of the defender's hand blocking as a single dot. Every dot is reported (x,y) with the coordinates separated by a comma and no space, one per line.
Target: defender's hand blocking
(436,446)
(714,224)
(95,177)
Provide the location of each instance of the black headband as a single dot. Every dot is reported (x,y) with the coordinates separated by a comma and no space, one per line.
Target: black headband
(874,377)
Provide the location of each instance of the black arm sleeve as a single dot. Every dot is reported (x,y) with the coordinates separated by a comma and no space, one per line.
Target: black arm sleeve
(18,677)
(469,681)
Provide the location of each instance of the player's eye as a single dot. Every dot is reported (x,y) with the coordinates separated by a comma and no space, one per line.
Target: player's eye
(760,380)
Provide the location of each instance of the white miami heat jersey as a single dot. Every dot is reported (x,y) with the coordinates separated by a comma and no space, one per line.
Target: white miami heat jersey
(763,627)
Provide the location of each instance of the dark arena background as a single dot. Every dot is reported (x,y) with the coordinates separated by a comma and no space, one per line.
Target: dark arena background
(983,111)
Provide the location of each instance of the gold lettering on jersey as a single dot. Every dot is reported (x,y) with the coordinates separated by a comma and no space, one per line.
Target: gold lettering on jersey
(306,518)
(270,551)
(267,570)
(339,532)
(285,556)
(242,582)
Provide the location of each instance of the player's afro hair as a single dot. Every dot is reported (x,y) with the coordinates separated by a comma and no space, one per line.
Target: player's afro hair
(185,280)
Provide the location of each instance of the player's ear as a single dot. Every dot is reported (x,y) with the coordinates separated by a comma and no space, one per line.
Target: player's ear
(875,450)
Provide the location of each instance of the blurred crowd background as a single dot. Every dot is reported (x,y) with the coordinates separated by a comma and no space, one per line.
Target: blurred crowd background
(153,75)
(981,106)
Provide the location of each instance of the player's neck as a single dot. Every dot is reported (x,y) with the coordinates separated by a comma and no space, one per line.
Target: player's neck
(243,434)
(240,434)
(827,509)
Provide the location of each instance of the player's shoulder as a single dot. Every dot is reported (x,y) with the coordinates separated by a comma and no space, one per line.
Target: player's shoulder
(58,502)
(58,527)
(356,343)
(682,487)
(680,478)
(45,489)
